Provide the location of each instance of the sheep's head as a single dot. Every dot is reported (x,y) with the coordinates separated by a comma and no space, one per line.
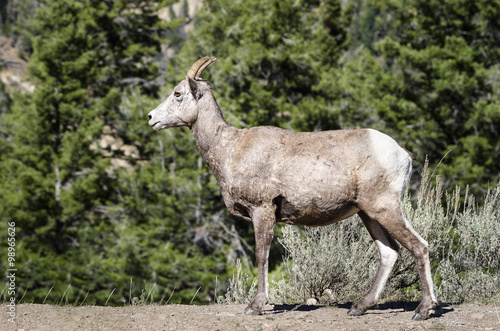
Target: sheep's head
(180,108)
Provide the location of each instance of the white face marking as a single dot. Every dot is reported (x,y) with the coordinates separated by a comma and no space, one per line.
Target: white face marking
(179,109)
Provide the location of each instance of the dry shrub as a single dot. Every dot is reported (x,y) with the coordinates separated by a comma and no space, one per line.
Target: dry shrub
(326,263)
(471,267)
(239,290)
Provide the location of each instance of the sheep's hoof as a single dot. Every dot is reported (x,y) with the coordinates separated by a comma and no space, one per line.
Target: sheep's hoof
(250,311)
(418,317)
(353,312)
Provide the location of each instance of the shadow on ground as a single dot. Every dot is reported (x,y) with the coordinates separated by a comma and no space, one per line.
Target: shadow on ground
(441,310)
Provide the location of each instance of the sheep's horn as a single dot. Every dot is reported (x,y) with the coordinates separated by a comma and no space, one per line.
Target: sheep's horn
(197,68)
(205,65)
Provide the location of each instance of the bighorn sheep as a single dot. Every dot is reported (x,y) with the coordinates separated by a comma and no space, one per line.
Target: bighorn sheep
(268,175)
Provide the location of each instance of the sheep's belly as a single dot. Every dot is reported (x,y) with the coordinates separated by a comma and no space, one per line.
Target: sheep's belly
(313,213)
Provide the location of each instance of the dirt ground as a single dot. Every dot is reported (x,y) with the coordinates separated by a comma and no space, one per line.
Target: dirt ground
(230,317)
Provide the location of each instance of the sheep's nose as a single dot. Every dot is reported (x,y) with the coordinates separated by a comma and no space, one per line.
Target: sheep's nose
(149,116)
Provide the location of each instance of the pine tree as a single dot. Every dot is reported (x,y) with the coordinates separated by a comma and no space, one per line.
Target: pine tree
(443,58)
(58,178)
(272,56)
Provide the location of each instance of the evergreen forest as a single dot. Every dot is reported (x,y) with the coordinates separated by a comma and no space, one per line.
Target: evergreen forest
(109,212)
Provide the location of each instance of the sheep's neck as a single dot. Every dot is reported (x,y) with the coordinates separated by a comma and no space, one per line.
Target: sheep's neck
(208,128)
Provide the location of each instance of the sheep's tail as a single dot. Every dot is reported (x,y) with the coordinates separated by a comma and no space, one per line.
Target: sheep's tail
(409,153)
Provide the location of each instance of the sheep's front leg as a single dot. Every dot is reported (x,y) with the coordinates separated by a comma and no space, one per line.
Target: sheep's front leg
(263,219)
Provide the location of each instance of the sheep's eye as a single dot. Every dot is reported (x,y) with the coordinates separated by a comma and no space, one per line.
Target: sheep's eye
(177,94)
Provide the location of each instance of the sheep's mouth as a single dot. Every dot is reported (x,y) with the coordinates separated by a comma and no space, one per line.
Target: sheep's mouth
(153,125)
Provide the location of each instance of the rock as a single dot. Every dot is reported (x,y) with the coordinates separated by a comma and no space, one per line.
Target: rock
(328,296)
(311,302)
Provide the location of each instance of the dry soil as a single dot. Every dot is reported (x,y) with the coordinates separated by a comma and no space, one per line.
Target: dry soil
(230,317)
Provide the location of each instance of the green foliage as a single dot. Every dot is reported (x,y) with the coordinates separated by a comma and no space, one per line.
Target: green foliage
(59,173)
(14,17)
(443,59)
(271,58)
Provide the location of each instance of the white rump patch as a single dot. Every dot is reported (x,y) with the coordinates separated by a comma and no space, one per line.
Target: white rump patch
(393,158)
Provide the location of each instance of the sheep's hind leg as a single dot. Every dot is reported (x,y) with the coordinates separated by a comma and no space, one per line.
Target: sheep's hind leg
(263,218)
(388,250)
(393,220)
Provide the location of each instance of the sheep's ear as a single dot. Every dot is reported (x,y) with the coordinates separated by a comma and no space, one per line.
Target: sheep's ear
(193,86)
